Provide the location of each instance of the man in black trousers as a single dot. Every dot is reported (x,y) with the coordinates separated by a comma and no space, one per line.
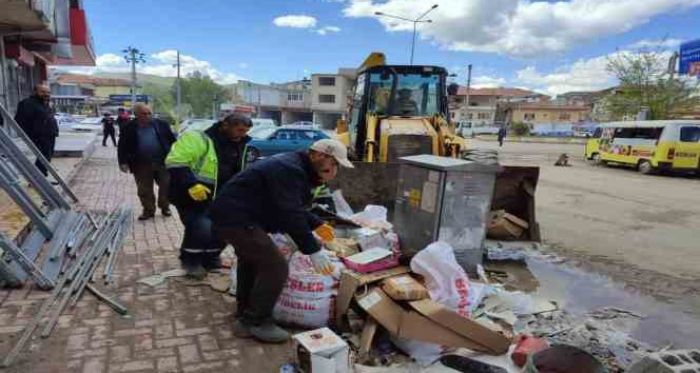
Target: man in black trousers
(36,118)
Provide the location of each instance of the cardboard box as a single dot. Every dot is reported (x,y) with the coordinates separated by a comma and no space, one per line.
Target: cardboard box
(503,225)
(350,281)
(404,287)
(321,351)
(430,322)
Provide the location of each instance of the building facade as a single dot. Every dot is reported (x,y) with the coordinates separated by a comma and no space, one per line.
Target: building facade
(548,112)
(330,94)
(285,103)
(37,34)
(487,106)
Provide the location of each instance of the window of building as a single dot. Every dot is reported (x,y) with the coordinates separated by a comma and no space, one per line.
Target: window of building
(483,116)
(326,99)
(327,81)
(564,116)
(295,96)
(529,116)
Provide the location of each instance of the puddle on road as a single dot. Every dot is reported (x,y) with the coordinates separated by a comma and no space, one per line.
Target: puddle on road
(578,292)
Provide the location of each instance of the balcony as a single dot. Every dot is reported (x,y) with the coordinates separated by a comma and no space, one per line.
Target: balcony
(27,16)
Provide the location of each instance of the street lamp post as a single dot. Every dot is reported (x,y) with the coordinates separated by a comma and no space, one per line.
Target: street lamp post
(133,56)
(415,22)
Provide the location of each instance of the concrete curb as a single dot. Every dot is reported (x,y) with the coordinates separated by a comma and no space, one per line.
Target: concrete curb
(537,140)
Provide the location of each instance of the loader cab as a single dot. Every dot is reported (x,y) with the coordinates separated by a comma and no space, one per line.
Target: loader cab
(395,91)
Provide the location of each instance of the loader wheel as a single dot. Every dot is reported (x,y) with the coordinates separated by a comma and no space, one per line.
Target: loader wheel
(597,160)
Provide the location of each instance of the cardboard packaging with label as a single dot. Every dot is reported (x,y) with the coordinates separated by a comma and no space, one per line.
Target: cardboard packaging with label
(321,351)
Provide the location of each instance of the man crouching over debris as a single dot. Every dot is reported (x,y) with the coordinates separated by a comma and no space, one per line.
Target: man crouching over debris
(273,195)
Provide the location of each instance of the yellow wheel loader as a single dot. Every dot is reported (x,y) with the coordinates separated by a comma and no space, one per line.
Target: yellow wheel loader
(397,111)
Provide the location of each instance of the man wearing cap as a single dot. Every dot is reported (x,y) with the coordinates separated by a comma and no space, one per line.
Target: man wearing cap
(200,163)
(273,195)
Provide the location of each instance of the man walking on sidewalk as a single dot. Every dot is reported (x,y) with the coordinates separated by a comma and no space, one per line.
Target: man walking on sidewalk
(35,116)
(200,163)
(108,129)
(501,135)
(143,145)
(273,195)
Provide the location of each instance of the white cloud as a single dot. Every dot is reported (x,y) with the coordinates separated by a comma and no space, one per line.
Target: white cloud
(487,81)
(295,21)
(327,29)
(582,75)
(243,65)
(523,28)
(656,44)
(160,63)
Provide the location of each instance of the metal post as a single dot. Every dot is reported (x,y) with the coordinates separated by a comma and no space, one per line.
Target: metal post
(3,67)
(29,170)
(133,78)
(11,186)
(11,249)
(413,42)
(178,92)
(469,88)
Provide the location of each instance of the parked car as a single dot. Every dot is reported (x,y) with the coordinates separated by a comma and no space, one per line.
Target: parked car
(283,139)
(197,124)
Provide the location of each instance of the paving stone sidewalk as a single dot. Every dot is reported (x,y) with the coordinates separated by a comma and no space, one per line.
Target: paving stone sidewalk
(170,328)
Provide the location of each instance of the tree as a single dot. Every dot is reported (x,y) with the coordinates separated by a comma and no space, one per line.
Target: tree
(646,84)
(200,92)
(163,99)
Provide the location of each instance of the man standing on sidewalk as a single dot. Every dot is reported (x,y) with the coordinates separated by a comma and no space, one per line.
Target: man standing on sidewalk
(501,135)
(273,195)
(35,116)
(108,129)
(200,163)
(143,145)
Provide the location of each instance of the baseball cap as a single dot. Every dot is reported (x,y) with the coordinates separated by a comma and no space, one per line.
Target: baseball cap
(335,149)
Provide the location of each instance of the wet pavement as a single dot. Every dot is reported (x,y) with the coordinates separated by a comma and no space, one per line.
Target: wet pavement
(579,292)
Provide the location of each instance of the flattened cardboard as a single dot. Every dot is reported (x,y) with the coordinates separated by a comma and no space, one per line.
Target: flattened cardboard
(493,342)
(413,325)
(350,281)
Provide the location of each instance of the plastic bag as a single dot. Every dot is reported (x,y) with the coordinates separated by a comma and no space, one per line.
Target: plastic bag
(342,208)
(285,244)
(373,216)
(424,353)
(446,281)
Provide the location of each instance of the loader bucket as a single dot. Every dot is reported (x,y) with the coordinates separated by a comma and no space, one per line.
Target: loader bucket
(377,183)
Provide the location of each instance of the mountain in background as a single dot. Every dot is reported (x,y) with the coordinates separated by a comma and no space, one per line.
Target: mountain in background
(163,81)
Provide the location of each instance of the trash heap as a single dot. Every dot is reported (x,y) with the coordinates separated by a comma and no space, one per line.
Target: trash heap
(380,309)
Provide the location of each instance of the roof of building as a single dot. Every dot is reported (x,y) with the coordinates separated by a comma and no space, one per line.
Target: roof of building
(499,91)
(92,80)
(549,106)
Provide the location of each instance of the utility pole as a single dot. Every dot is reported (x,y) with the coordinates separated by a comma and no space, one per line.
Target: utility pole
(469,88)
(415,21)
(134,57)
(213,108)
(178,98)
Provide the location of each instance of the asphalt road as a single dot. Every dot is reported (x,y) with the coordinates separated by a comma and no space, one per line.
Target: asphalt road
(642,230)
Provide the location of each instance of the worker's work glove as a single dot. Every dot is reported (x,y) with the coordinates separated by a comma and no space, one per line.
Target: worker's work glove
(325,232)
(124,168)
(199,192)
(321,263)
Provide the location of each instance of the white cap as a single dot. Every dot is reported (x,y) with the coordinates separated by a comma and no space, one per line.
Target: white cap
(335,149)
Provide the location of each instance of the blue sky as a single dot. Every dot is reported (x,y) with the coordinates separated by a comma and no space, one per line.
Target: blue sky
(551,46)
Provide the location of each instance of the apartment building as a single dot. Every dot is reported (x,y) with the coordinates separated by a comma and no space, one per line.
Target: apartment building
(330,94)
(38,34)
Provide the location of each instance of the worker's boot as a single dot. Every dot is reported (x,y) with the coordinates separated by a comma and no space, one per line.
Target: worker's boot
(268,332)
(194,270)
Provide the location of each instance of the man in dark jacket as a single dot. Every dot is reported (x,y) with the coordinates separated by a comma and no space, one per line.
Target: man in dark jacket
(143,145)
(273,195)
(200,163)
(122,119)
(108,129)
(36,118)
